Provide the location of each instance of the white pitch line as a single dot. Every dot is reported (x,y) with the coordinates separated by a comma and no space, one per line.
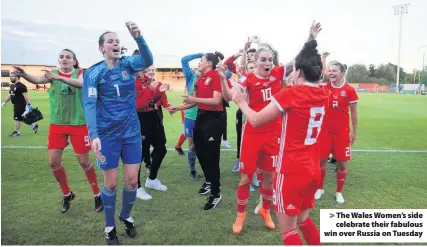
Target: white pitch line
(234,150)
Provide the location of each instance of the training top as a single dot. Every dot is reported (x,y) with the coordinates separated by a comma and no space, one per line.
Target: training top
(65,101)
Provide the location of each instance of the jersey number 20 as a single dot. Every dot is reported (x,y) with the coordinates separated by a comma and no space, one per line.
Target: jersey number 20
(314,125)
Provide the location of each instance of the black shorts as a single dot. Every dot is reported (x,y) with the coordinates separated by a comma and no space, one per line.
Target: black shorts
(18,110)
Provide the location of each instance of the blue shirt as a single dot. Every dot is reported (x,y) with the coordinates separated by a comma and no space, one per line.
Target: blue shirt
(190,78)
(109,95)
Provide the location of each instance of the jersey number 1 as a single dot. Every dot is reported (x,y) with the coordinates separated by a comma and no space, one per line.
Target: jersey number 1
(266,94)
(117,89)
(315,123)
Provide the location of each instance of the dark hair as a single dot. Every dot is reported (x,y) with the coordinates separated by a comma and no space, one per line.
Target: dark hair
(251,50)
(212,58)
(76,66)
(135,52)
(101,39)
(309,61)
(219,54)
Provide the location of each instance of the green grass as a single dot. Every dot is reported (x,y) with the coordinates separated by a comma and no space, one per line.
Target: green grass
(31,197)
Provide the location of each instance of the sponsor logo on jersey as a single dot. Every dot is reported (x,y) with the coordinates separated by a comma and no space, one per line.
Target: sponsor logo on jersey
(125,75)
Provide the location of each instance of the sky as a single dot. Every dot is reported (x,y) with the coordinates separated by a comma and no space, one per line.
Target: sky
(354,31)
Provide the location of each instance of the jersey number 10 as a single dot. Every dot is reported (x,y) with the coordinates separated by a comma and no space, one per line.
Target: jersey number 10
(314,125)
(266,94)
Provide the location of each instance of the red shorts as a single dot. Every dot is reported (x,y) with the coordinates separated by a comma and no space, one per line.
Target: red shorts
(293,193)
(79,137)
(337,143)
(258,150)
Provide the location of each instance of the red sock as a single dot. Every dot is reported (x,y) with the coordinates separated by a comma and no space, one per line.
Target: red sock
(242,197)
(291,238)
(322,177)
(341,176)
(267,197)
(61,177)
(92,179)
(181,140)
(310,232)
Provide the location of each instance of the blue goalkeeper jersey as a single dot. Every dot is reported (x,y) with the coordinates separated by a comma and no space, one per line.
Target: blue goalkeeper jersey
(109,95)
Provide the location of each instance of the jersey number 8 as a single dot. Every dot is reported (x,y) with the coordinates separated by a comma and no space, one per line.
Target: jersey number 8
(315,123)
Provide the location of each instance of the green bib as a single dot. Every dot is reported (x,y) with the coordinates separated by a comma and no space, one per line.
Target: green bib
(192,112)
(65,103)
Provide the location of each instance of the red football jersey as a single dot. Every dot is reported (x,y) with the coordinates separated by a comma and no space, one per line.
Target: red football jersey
(303,107)
(260,92)
(205,86)
(337,118)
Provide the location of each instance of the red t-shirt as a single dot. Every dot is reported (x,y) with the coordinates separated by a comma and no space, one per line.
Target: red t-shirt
(205,86)
(337,118)
(69,74)
(260,91)
(303,107)
(145,96)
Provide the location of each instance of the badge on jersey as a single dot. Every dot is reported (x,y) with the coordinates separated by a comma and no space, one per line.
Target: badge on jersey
(343,93)
(272,78)
(92,92)
(103,160)
(207,81)
(241,165)
(242,79)
(125,75)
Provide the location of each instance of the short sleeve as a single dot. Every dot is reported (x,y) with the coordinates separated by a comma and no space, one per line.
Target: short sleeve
(216,83)
(23,89)
(283,99)
(353,98)
(279,72)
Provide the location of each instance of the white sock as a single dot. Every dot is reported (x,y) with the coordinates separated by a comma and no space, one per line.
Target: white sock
(109,229)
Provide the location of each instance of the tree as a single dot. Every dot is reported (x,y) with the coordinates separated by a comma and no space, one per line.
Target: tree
(386,72)
(402,73)
(371,71)
(357,73)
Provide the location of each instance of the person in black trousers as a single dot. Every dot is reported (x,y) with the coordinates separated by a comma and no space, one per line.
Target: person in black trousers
(209,125)
(149,92)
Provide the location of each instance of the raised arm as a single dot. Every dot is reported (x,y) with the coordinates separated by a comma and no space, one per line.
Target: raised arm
(186,68)
(89,100)
(145,58)
(314,31)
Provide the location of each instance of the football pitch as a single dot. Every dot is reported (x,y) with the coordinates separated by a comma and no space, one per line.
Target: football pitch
(388,171)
